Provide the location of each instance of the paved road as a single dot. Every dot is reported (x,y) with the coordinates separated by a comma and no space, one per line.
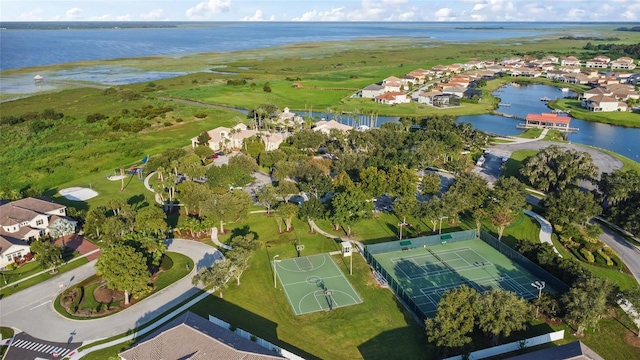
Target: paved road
(629,253)
(31,310)
(492,169)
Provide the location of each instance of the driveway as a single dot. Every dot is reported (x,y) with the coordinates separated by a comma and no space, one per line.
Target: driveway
(29,309)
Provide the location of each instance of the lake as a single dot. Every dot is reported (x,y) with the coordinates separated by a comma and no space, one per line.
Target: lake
(36,44)
(526,99)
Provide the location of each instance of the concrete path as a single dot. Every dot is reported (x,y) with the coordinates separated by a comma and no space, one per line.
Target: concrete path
(545,229)
(315,227)
(33,307)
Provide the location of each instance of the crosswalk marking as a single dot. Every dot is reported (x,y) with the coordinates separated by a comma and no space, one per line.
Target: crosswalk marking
(42,348)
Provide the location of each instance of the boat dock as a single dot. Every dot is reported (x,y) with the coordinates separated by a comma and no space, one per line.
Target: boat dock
(545,99)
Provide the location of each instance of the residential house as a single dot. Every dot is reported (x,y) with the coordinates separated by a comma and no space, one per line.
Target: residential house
(227,138)
(427,97)
(192,337)
(455,68)
(557,75)
(571,351)
(288,119)
(440,71)
(446,100)
(473,65)
(600,62)
(525,72)
(419,74)
(576,78)
(325,126)
(392,84)
(453,90)
(391,98)
(472,93)
(595,92)
(625,63)
(570,61)
(602,103)
(25,220)
(271,140)
(372,91)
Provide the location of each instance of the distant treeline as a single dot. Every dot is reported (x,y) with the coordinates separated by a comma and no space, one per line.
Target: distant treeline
(624,28)
(595,38)
(616,50)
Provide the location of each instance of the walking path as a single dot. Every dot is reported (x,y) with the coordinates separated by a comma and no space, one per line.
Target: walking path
(315,227)
(545,229)
(34,306)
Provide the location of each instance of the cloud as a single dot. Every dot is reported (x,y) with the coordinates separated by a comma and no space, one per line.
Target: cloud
(125,17)
(73,14)
(153,15)
(335,14)
(104,17)
(575,14)
(258,16)
(395,2)
(33,15)
(206,10)
(444,14)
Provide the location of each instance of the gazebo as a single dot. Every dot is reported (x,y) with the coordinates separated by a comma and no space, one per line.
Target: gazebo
(38,78)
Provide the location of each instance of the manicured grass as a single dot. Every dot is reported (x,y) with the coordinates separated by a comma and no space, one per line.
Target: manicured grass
(613,118)
(42,277)
(165,279)
(530,133)
(359,331)
(512,168)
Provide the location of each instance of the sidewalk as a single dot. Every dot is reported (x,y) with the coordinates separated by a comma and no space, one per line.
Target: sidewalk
(545,229)
(48,270)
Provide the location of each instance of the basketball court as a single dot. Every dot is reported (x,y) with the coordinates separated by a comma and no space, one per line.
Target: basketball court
(315,283)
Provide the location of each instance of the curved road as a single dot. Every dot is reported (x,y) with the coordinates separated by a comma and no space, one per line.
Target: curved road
(31,310)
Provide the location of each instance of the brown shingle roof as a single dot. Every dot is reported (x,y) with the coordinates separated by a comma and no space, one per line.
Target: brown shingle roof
(25,209)
(190,336)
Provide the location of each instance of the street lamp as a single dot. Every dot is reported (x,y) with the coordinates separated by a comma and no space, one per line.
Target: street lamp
(275,284)
(538,285)
(441,217)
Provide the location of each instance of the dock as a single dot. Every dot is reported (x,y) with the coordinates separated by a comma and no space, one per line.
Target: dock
(504,104)
(545,99)
(509,115)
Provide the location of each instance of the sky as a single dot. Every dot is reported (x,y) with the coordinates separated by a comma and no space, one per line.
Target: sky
(321,10)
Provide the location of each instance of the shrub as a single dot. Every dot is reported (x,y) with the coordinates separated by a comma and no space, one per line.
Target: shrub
(167,123)
(253,338)
(200,115)
(179,120)
(91,118)
(232,328)
(266,87)
(587,255)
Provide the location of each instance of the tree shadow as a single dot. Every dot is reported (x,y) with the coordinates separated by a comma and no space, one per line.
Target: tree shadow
(138,201)
(207,260)
(244,231)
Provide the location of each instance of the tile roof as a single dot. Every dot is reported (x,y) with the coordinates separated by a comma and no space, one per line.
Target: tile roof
(193,337)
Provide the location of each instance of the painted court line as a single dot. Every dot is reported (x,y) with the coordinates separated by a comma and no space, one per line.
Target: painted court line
(306,282)
(346,280)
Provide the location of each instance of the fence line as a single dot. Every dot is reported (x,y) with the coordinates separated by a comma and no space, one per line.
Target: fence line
(249,336)
(513,346)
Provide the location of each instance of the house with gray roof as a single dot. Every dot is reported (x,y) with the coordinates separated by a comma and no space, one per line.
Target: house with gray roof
(572,351)
(193,337)
(25,220)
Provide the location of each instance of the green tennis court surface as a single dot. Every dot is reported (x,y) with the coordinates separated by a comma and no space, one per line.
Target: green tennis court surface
(425,273)
(315,283)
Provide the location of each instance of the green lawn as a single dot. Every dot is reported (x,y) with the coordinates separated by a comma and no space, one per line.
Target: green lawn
(359,331)
(40,278)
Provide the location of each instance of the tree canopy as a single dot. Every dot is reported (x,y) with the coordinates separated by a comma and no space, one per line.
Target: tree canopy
(124,269)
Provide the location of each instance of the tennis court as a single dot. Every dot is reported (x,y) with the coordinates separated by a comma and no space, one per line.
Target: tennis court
(426,272)
(315,283)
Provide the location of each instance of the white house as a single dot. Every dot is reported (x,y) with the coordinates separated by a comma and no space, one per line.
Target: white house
(226,138)
(570,61)
(287,118)
(372,91)
(25,220)
(325,126)
(427,97)
(603,103)
(391,98)
(624,62)
(600,62)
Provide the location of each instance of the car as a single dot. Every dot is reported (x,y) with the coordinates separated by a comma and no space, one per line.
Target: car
(214,156)
(219,153)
